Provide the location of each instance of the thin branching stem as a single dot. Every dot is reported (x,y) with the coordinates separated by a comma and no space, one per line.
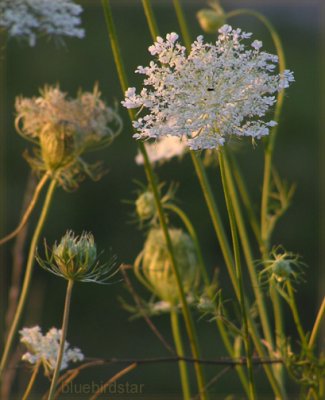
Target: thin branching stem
(239,276)
(28,211)
(317,325)
(28,277)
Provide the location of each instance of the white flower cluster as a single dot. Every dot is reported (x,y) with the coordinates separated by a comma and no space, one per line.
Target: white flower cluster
(217,91)
(26,18)
(45,349)
(163,150)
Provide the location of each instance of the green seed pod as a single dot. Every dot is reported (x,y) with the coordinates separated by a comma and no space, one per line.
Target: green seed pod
(75,255)
(211,20)
(56,146)
(282,270)
(157,269)
(145,206)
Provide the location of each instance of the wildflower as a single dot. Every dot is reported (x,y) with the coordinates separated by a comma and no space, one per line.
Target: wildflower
(218,91)
(153,266)
(44,348)
(27,18)
(63,129)
(75,258)
(163,150)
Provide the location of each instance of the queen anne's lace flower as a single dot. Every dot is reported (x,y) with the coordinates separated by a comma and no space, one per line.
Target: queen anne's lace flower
(44,349)
(217,91)
(163,150)
(26,18)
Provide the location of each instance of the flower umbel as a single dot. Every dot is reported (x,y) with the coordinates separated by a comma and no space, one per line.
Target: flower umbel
(75,258)
(63,129)
(218,91)
(27,18)
(44,348)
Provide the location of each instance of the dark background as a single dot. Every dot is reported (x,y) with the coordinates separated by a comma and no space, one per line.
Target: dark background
(98,324)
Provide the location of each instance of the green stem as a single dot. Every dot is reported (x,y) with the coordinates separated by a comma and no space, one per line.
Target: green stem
(182,24)
(247,202)
(219,322)
(65,324)
(295,315)
(239,276)
(155,190)
(153,27)
(215,215)
(31,381)
(248,253)
(28,276)
(317,325)
(180,352)
(269,149)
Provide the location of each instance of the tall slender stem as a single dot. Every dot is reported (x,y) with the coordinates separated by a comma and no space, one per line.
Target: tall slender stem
(28,276)
(180,352)
(247,252)
(207,283)
(269,149)
(65,324)
(31,381)
(296,317)
(155,190)
(206,189)
(239,276)
(317,325)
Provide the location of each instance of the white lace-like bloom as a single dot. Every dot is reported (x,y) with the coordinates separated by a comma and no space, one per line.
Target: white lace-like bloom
(27,18)
(217,91)
(163,150)
(45,349)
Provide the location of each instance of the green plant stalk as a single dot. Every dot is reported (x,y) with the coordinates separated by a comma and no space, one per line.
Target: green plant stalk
(247,202)
(295,315)
(28,276)
(190,328)
(222,330)
(31,381)
(65,324)
(247,251)
(214,213)
(180,352)
(234,235)
(317,325)
(269,148)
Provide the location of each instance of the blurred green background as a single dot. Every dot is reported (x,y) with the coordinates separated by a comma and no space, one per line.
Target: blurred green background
(98,324)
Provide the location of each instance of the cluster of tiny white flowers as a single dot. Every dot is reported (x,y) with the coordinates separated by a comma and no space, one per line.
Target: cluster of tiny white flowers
(87,115)
(27,18)
(217,91)
(45,349)
(163,150)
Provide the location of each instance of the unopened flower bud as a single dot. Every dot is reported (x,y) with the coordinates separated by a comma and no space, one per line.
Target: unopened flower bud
(282,270)
(211,20)
(156,265)
(145,206)
(75,255)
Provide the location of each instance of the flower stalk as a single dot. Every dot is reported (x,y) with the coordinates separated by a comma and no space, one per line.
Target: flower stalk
(239,276)
(190,328)
(65,324)
(27,278)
